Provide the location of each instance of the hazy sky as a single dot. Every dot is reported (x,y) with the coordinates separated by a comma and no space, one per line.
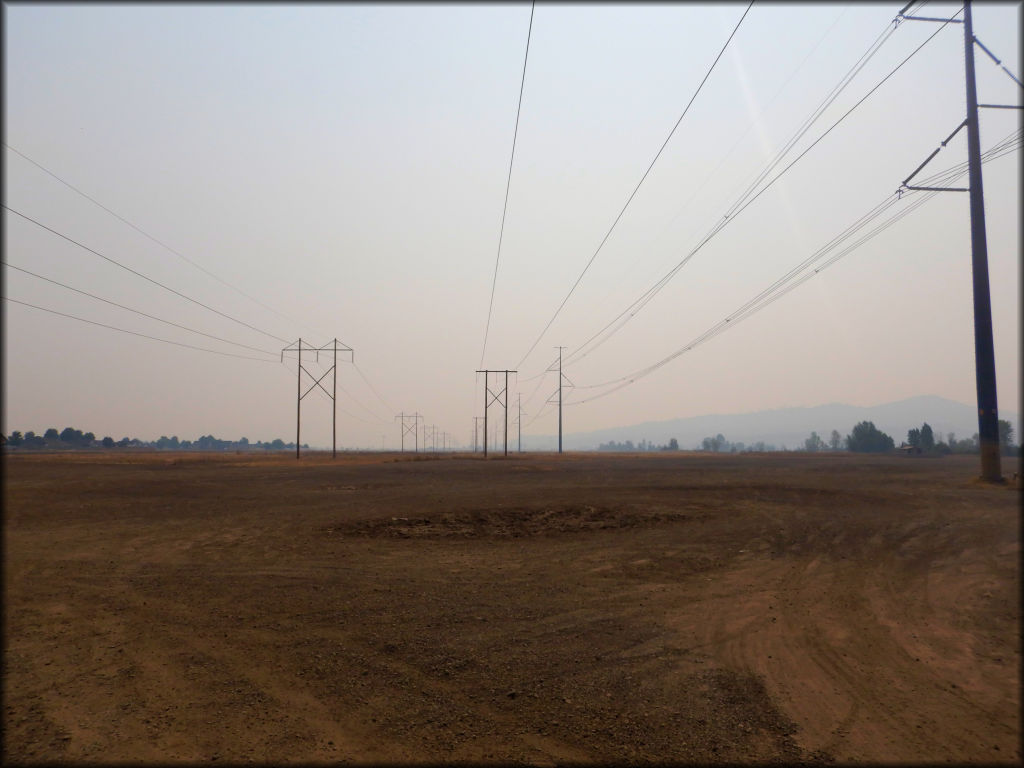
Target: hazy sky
(342,170)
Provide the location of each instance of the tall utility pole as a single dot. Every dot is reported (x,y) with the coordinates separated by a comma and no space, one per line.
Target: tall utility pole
(333,394)
(519,421)
(561,377)
(490,397)
(560,399)
(984,352)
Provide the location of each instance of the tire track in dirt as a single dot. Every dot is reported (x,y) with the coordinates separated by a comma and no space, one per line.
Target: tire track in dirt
(842,643)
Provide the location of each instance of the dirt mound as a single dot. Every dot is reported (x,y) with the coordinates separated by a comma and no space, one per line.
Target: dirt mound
(510,523)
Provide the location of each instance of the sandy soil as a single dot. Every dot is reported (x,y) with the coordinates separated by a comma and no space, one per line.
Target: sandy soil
(542,609)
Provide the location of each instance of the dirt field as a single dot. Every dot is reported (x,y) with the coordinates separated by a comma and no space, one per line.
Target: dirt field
(542,609)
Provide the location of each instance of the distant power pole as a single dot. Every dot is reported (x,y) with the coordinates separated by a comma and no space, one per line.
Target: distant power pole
(335,349)
(490,397)
(561,377)
(984,353)
(519,421)
(407,429)
(560,399)
(476,426)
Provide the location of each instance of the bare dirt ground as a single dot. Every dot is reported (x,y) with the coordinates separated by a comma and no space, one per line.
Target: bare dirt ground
(541,609)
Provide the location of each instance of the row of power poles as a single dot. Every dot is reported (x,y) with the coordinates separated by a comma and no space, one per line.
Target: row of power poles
(410,425)
(985,370)
(500,396)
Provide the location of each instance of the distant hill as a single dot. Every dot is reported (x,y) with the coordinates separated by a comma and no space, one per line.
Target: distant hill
(788,427)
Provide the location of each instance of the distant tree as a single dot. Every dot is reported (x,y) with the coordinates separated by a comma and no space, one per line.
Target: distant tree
(867,438)
(88,438)
(278,444)
(914,437)
(15,438)
(52,434)
(673,444)
(244,441)
(836,440)
(814,443)
(951,439)
(124,442)
(108,442)
(67,435)
(927,438)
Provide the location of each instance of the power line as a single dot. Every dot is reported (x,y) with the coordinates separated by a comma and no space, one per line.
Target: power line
(637,188)
(136,311)
(795,279)
(372,388)
(731,216)
(585,349)
(700,187)
(145,234)
(133,333)
(779,288)
(139,274)
(508,185)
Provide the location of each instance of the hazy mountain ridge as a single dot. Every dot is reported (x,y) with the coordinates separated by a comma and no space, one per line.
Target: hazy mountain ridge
(787,427)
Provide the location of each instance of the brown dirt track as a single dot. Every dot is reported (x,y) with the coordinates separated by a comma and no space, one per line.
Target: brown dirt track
(542,609)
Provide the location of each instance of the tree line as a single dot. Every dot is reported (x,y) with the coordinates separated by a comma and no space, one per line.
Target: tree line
(865,437)
(643,445)
(71,438)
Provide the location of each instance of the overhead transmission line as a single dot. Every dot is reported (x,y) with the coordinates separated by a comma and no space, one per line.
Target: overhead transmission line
(749,196)
(372,388)
(700,187)
(133,333)
(139,274)
(637,188)
(508,185)
(798,275)
(136,311)
(835,92)
(145,234)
